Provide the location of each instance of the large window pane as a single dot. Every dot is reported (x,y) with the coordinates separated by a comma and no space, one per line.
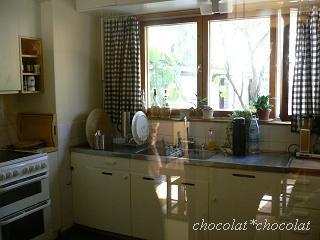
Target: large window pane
(239,61)
(172,63)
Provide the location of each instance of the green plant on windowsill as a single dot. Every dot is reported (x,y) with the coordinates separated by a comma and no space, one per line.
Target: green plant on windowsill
(196,110)
(262,106)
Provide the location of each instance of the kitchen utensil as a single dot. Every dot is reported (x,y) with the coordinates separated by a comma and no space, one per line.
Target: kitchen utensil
(125,124)
(140,128)
(99,120)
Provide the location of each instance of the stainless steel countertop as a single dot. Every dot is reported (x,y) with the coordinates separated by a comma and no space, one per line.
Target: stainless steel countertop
(274,162)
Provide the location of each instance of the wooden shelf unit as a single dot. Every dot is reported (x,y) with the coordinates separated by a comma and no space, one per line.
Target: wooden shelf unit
(31,65)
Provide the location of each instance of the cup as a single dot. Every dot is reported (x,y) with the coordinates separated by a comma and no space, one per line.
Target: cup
(36,68)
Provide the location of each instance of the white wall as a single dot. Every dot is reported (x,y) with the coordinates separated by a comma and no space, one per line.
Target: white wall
(77,67)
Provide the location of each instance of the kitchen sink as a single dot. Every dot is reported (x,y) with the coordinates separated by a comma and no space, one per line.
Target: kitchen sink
(160,152)
(191,154)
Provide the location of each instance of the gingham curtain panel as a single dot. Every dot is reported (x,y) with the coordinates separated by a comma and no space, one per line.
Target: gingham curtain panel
(121,67)
(306,80)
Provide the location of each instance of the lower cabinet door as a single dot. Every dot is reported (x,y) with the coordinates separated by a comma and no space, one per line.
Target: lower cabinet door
(148,209)
(109,200)
(187,209)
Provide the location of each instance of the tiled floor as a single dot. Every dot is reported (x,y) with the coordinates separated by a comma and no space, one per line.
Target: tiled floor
(78,233)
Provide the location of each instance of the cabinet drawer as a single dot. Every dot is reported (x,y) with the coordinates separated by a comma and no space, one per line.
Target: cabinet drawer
(103,162)
(303,214)
(303,183)
(304,200)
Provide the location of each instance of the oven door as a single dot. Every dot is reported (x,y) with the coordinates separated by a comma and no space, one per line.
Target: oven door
(30,223)
(23,193)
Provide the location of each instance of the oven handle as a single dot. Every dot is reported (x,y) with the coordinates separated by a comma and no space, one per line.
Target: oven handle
(25,213)
(5,189)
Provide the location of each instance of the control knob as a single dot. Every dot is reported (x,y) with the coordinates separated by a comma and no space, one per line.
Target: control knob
(8,174)
(15,173)
(31,168)
(43,165)
(2,177)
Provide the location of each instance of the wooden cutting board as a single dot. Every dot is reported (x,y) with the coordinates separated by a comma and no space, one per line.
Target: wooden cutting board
(36,127)
(99,120)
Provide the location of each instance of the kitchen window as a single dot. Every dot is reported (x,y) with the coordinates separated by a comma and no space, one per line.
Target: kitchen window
(239,62)
(171,62)
(227,61)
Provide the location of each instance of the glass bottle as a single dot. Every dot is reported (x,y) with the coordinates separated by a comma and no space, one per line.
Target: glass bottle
(211,144)
(254,135)
(165,109)
(155,109)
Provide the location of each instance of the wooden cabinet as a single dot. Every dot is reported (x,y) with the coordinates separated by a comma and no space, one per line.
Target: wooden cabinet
(101,193)
(31,65)
(9,49)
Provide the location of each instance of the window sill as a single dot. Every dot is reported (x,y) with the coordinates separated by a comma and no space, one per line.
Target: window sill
(220,120)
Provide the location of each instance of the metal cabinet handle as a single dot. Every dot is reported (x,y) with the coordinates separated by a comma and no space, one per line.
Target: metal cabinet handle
(148,178)
(188,184)
(243,175)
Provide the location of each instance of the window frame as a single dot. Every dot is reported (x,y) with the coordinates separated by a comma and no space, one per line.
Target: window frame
(144,47)
(203,52)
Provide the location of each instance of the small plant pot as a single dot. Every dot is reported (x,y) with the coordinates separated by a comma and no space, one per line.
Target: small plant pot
(263,114)
(207,114)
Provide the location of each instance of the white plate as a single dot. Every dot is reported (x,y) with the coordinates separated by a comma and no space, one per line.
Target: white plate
(140,128)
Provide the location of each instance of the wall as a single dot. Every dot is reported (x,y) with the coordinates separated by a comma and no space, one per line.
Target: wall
(77,66)
(272,137)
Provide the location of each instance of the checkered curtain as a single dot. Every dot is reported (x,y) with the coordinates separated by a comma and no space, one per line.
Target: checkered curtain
(306,80)
(121,67)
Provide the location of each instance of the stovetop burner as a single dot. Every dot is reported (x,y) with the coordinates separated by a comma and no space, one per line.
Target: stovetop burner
(9,155)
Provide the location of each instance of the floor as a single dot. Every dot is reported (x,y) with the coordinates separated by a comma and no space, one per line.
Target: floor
(79,233)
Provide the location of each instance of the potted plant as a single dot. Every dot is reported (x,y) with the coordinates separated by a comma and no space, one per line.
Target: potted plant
(263,107)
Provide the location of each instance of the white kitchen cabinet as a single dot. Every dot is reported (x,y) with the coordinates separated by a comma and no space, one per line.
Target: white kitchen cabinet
(79,192)
(243,195)
(9,47)
(101,192)
(148,206)
(109,200)
(187,199)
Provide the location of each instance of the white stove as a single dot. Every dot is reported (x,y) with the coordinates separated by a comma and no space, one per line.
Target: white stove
(24,195)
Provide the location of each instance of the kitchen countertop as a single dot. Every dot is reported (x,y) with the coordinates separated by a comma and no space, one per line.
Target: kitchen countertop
(274,162)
